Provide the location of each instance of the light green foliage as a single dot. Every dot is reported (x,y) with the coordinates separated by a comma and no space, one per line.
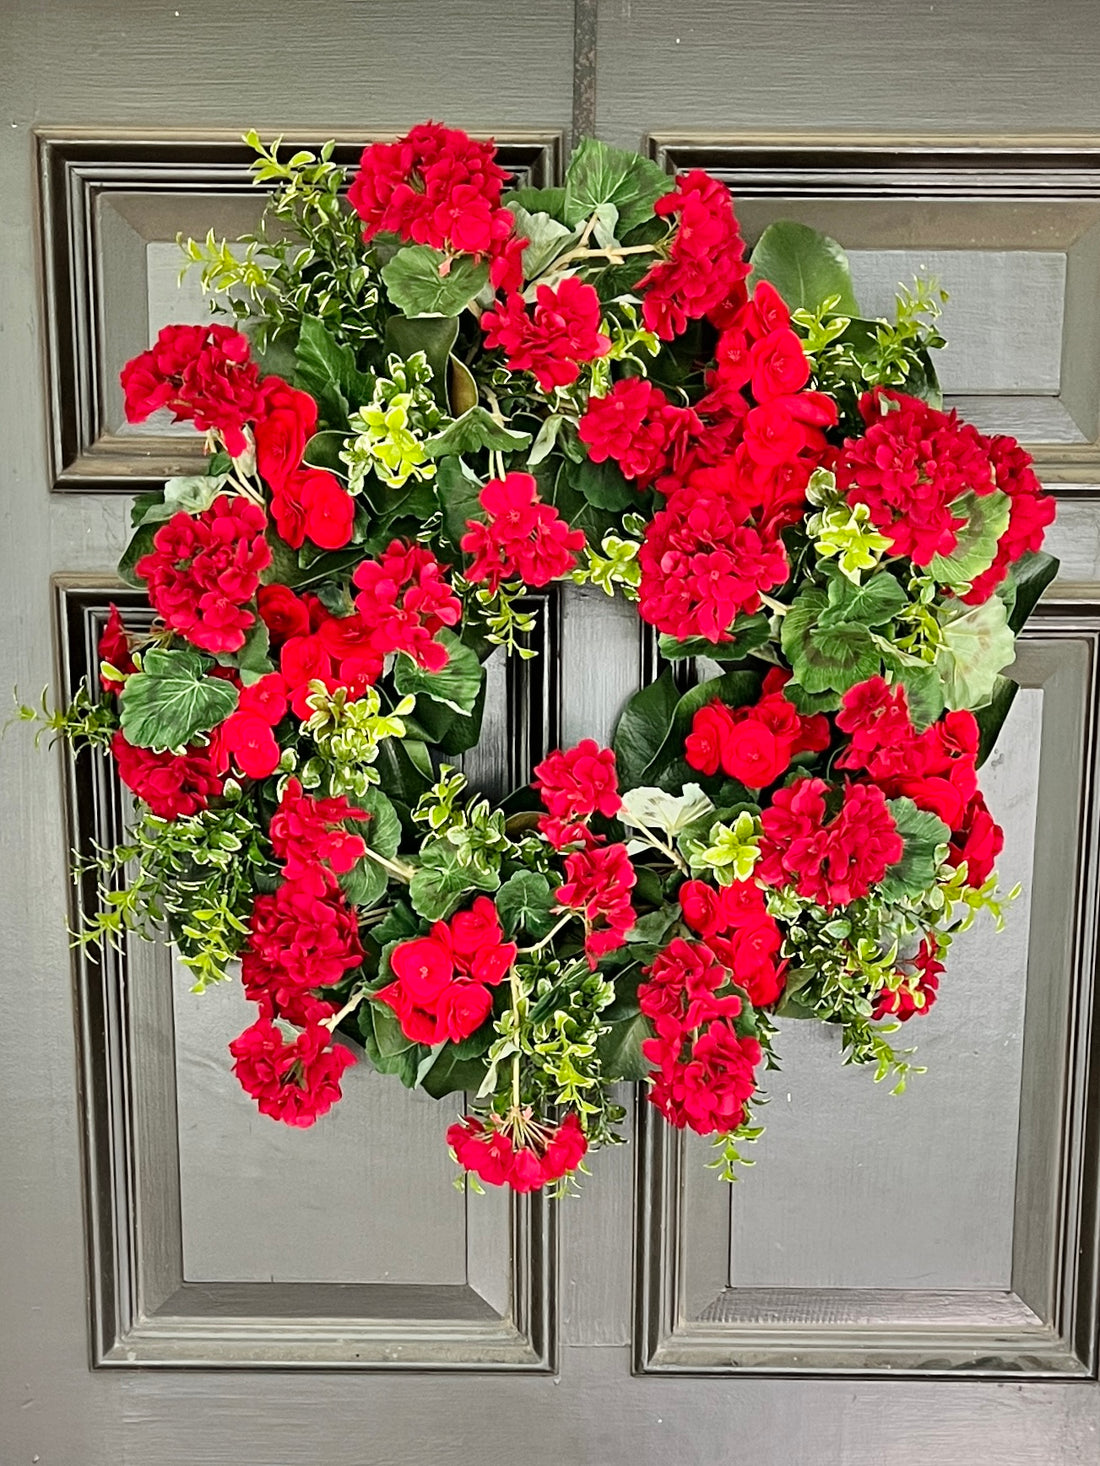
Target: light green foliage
(307,259)
(614,566)
(727,1148)
(436,808)
(347,732)
(390,429)
(845,531)
(87,722)
(505,622)
(729,852)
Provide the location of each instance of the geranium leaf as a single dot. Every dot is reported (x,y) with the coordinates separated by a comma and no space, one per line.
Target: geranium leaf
(190,494)
(977,644)
(524,903)
(456,686)
(546,239)
(873,603)
(620,1048)
(826,658)
(439,884)
(926,838)
(537,201)
(474,430)
(325,368)
(141,544)
(417,288)
(804,266)
(451,1073)
(171,700)
(986,521)
(642,727)
(365,884)
(599,174)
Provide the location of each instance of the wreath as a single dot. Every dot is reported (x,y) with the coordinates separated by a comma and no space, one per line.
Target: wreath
(428,397)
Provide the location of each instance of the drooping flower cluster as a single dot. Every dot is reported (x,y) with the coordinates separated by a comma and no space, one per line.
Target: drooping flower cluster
(204,569)
(436,186)
(704,1070)
(294,1082)
(735,924)
(202,374)
(173,785)
(830,861)
(705,272)
(598,883)
(442,981)
(1029,513)
(574,784)
(754,744)
(552,339)
(404,601)
(521,538)
(545,1156)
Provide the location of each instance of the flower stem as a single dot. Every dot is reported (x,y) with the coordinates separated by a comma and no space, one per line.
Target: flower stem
(548,938)
(395,867)
(350,1006)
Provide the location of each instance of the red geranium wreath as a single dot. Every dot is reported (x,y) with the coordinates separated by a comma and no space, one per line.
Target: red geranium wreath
(443,395)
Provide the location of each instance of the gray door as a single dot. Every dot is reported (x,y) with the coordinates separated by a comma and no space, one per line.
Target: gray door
(907,1280)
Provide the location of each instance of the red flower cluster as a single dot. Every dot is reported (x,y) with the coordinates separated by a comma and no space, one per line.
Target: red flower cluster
(294,1082)
(637,427)
(754,745)
(490,1152)
(522,538)
(299,939)
(404,600)
(704,1068)
(203,374)
(316,646)
(1029,513)
(248,735)
(598,882)
(936,769)
(114,649)
(736,925)
(562,331)
(442,982)
(831,862)
(310,838)
(313,504)
(705,272)
(708,556)
(917,992)
(436,186)
(909,468)
(574,784)
(204,568)
(286,420)
(171,784)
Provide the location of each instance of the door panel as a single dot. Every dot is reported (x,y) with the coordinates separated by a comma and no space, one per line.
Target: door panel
(368,1313)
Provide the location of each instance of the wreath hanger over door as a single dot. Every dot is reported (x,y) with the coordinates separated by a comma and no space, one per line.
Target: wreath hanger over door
(425,396)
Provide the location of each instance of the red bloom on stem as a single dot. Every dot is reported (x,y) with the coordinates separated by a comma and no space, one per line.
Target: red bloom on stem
(753,744)
(705,272)
(521,539)
(874,715)
(978,839)
(917,992)
(598,883)
(114,649)
(313,504)
(490,1153)
(574,784)
(310,834)
(562,331)
(1030,511)
(203,569)
(707,1088)
(405,600)
(171,784)
(285,422)
(442,981)
(202,374)
(247,737)
(831,862)
(294,1082)
(313,938)
(283,613)
(909,468)
(637,427)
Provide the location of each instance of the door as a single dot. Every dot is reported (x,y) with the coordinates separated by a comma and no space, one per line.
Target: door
(901,1280)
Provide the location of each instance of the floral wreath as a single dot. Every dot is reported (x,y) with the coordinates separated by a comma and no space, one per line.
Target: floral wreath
(441,396)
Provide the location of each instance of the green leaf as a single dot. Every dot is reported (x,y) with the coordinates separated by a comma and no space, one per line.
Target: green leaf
(417,288)
(603,485)
(524,903)
(873,603)
(990,719)
(924,693)
(804,266)
(538,200)
(474,430)
(456,686)
(746,633)
(434,336)
(441,881)
(546,238)
(366,882)
(926,838)
(825,658)
(451,1073)
(977,643)
(735,689)
(141,544)
(458,490)
(326,370)
(642,727)
(1029,578)
(252,661)
(191,494)
(986,521)
(619,1049)
(599,174)
(171,700)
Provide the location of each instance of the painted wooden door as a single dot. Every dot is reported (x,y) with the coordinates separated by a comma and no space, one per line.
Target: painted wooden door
(903,1280)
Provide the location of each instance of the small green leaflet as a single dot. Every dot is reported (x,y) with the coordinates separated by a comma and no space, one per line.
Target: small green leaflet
(599,174)
(926,838)
(986,520)
(806,267)
(171,700)
(826,658)
(474,430)
(417,288)
(456,686)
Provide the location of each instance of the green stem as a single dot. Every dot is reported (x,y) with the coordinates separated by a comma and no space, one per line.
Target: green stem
(396,868)
(349,1007)
(548,938)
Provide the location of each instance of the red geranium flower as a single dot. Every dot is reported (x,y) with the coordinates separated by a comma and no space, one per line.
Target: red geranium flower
(114,649)
(1030,511)
(637,427)
(598,883)
(286,420)
(834,862)
(562,331)
(521,539)
(309,836)
(489,1152)
(574,784)
(202,374)
(705,272)
(313,504)
(296,1082)
(405,600)
(171,784)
